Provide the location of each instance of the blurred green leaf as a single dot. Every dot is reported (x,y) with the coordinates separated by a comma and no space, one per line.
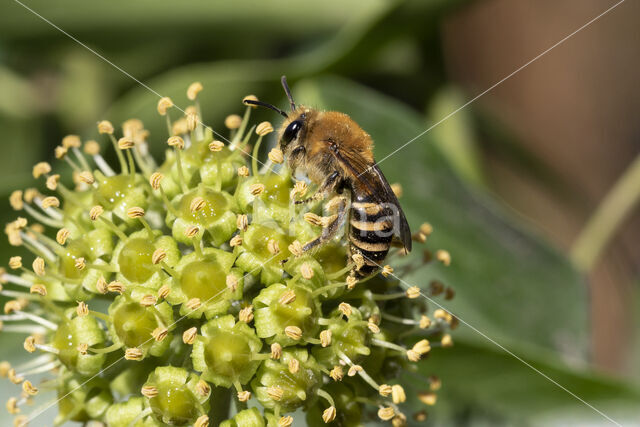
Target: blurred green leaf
(454,135)
(484,383)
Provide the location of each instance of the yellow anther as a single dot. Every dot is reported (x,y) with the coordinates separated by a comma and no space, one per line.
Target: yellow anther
(50,202)
(233,121)
(294,365)
(243,171)
(216,146)
(39,266)
(40,169)
(329,414)
(135,212)
(235,241)
(164,104)
(293,332)
(287,297)
(276,351)
(385,390)
(193,304)
(325,337)
(413,292)
(133,353)
(194,89)
(386,413)
(126,143)
(86,177)
(15,200)
(176,142)
(92,148)
(197,204)
(397,394)
(95,212)
(276,156)
(246,314)
(345,308)
(105,127)
(387,270)
(256,189)
(149,391)
(39,289)
(264,128)
(82,309)
(296,248)
(336,374)
(159,333)
(52,182)
(155,180)
(189,336)
(444,257)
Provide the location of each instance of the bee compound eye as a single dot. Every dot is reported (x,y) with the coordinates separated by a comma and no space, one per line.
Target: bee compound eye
(291,131)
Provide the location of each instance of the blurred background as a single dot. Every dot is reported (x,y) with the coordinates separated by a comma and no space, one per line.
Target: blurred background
(532,188)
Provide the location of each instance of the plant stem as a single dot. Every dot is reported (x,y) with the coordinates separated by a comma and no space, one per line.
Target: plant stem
(609,215)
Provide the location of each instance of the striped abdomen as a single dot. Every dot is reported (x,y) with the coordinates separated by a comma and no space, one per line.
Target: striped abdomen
(370,233)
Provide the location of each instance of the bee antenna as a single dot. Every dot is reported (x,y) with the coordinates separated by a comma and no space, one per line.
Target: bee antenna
(264,104)
(283,79)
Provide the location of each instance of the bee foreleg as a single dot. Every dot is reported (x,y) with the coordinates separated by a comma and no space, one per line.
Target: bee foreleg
(330,230)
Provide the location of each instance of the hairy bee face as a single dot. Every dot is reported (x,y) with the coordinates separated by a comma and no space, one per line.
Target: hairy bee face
(293,134)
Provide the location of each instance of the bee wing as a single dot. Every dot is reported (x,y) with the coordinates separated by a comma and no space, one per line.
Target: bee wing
(374,180)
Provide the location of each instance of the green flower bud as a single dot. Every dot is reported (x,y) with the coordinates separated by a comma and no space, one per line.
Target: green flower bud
(292,390)
(273,315)
(247,418)
(176,397)
(132,324)
(134,258)
(131,413)
(215,219)
(348,336)
(208,162)
(204,277)
(225,352)
(70,335)
(256,257)
(118,193)
(272,203)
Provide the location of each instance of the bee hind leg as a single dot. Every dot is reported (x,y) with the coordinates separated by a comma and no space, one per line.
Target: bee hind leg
(330,230)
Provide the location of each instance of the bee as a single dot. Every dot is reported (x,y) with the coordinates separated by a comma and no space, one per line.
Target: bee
(337,155)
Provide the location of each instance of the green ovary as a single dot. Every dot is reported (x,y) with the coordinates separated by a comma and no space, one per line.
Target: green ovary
(135,260)
(112,190)
(215,206)
(174,404)
(276,189)
(133,324)
(227,355)
(66,344)
(258,243)
(204,280)
(73,251)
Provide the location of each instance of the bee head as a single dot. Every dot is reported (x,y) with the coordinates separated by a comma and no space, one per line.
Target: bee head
(294,121)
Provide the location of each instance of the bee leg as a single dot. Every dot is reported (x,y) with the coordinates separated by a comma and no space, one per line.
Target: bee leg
(330,230)
(325,188)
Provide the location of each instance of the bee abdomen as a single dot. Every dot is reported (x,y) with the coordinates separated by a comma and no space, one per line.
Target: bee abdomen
(370,234)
